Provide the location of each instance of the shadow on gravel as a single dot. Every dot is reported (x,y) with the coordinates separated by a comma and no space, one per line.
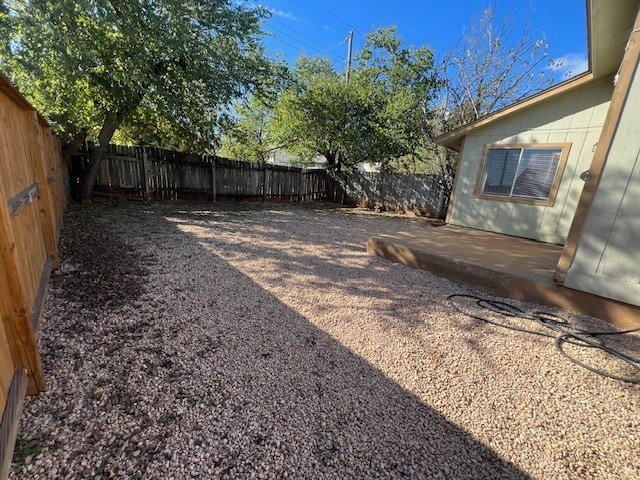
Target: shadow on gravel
(294,385)
(99,269)
(225,380)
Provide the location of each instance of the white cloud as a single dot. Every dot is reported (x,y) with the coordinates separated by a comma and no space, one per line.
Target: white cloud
(287,15)
(275,12)
(569,65)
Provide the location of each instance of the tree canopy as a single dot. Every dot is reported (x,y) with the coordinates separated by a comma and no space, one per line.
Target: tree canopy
(248,138)
(374,117)
(88,65)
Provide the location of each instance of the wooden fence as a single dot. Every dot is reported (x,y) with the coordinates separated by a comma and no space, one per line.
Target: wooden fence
(156,174)
(32,199)
(420,194)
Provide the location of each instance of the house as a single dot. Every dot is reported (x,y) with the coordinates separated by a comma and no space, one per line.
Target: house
(563,166)
(281,157)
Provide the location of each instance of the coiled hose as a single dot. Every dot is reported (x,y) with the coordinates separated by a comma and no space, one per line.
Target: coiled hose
(558,328)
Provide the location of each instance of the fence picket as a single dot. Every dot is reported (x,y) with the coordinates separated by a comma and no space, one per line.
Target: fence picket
(154,173)
(421,194)
(170,175)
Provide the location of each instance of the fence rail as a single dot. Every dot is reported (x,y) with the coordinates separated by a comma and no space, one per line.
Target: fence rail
(156,174)
(33,196)
(420,194)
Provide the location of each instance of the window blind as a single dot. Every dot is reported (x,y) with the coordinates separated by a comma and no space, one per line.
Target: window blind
(520,172)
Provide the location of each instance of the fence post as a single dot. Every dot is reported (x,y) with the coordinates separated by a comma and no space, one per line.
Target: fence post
(300,185)
(264,183)
(214,193)
(146,174)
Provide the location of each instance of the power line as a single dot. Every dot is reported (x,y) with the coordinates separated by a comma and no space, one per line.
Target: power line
(298,49)
(303,43)
(324,48)
(297,32)
(336,45)
(335,15)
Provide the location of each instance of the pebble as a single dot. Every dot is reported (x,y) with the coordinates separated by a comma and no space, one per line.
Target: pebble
(260,341)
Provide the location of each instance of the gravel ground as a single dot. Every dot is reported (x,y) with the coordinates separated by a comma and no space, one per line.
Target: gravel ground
(260,341)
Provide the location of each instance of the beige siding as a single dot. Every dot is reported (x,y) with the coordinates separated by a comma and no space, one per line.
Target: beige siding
(606,260)
(576,118)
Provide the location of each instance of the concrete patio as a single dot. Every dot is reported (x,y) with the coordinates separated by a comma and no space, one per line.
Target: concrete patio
(507,266)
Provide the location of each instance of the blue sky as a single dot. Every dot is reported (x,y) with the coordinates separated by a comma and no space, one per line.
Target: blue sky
(320,27)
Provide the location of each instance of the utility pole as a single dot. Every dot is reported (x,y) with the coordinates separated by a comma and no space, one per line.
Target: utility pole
(349,50)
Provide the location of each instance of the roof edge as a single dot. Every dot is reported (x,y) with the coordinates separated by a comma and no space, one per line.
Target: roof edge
(450,139)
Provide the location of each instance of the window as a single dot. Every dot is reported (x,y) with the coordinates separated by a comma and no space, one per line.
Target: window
(522,173)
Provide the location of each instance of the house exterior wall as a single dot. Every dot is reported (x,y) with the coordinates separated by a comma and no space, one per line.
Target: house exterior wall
(575,117)
(606,258)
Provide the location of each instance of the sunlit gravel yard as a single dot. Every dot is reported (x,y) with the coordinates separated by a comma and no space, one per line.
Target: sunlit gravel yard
(260,341)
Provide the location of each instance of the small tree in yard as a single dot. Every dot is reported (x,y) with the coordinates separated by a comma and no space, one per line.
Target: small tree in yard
(375,117)
(90,64)
(248,138)
(320,114)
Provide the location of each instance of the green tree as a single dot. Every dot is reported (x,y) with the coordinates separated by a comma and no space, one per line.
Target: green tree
(247,138)
(375,117)
(90,64)
(400,80)
(320,114)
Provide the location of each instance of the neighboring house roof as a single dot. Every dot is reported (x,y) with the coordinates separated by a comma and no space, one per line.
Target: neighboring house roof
(609,24)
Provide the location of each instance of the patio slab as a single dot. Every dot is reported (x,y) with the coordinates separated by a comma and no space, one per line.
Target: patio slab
(500,264)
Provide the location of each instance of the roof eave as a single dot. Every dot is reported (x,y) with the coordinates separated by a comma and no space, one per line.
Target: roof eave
(453,139)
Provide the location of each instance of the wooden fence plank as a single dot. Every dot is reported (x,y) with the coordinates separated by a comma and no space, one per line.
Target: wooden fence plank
(146,174)
(45,196)
(38,304)
(11,420)
(6,366)
(14,307)
(214,179)
(265,187)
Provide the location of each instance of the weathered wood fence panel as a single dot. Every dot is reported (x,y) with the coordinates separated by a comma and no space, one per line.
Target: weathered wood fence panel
(420,194)
(154,173)
(32,200)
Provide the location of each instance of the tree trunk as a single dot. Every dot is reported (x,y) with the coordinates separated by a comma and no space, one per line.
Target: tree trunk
(111,123)
(74,144)
(331,160)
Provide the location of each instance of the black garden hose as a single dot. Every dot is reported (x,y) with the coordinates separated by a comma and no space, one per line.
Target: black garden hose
(558,328)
